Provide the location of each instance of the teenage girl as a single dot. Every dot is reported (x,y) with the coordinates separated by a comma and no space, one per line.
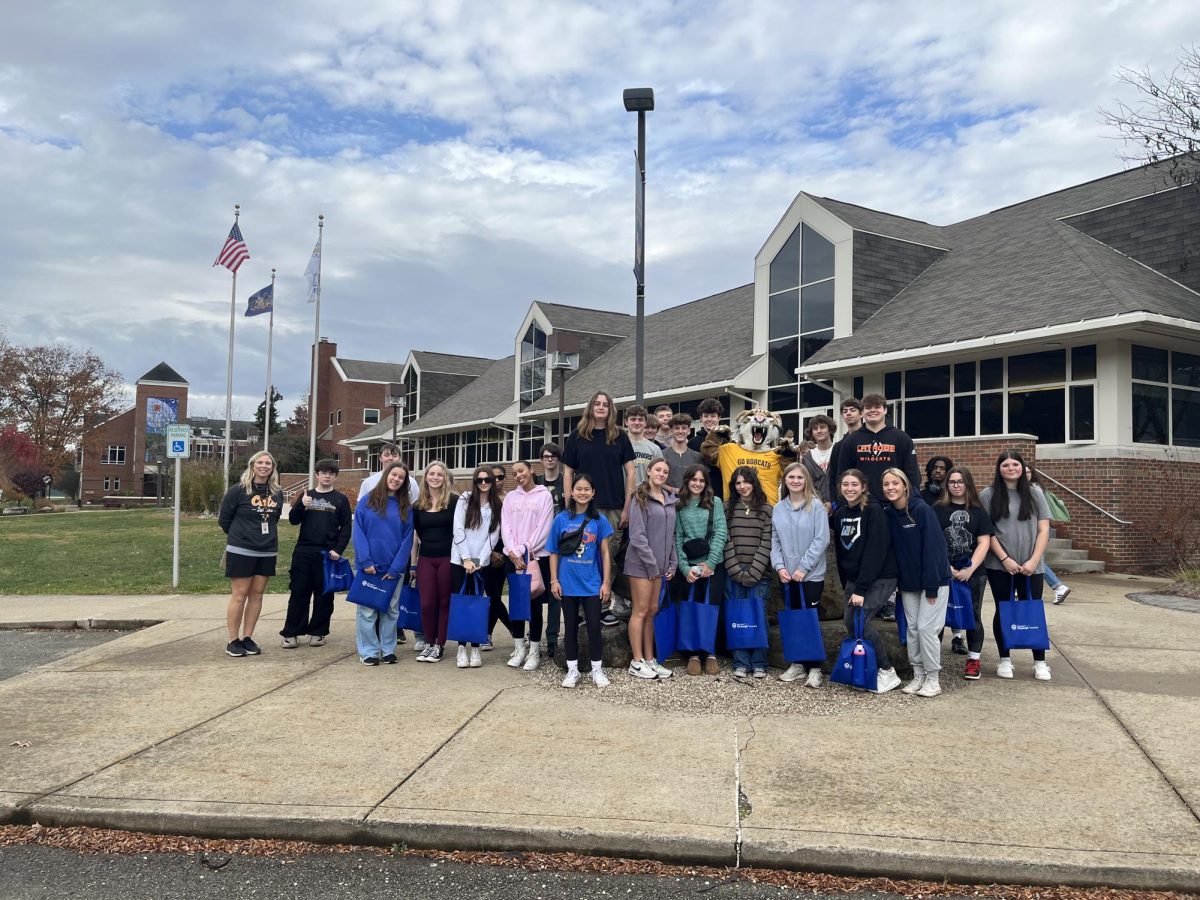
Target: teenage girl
(476,530)
(748,553)
(699,519)
(525,524)
(493,571)
(433,520)
(799,539)
(383,535)
(650,558)
(968,531)
(581,577)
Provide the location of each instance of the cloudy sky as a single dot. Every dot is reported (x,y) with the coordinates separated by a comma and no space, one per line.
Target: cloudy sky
(472,157)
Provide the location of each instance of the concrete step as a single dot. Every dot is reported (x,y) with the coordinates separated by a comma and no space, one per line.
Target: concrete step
(1076,565)
(1065,553)
(1060,544)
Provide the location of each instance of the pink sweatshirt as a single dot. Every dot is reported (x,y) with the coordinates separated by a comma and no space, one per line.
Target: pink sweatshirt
(525,521)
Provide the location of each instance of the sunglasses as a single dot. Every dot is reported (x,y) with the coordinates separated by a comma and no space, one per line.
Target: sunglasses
(484,480)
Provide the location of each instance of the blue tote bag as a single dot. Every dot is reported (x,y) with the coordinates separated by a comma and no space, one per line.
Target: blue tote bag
(666,625)
(468,621)
(338,575)
(800,631)
(745,619)
(901,621)
(372,591)
(1023,622)
(856,665)
(520,593)
(960,610)
(697,623)
(410,606)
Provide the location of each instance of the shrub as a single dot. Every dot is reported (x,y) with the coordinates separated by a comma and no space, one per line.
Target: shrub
(199,484)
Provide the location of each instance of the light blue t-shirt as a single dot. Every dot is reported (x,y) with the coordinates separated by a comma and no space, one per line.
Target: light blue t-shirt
(579,574)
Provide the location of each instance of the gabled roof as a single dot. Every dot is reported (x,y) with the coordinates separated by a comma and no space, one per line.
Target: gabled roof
(588,321)
(482,400)
(704,342)
(860,218)
(163,372)
(369,370)
(450,363)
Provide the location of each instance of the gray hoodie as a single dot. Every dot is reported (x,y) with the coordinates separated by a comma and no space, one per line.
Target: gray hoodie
(799,538)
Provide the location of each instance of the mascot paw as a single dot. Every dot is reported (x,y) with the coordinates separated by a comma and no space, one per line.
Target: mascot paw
(722,431)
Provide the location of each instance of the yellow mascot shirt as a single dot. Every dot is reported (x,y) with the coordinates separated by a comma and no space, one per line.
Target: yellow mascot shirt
(767,463)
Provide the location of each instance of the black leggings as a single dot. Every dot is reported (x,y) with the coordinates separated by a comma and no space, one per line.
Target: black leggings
(975,635)
(591,614)
(535,611)
(812,599)
(493,582)
(1001,584)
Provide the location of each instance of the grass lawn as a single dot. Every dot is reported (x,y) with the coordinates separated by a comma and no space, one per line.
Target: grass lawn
(119,552)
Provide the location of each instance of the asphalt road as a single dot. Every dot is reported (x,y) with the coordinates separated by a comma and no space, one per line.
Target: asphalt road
(23,650)
(42,873)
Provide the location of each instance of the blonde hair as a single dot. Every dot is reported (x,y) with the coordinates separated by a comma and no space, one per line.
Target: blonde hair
(425,499)
(247,479)
(587,424)
(898,474)
(809,495)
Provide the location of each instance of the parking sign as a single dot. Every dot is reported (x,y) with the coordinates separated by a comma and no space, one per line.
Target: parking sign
(179,442)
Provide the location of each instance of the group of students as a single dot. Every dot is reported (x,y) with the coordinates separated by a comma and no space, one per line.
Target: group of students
(613,500)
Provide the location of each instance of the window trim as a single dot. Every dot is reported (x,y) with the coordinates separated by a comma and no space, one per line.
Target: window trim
(370,409)
(1170,386)
(120,453)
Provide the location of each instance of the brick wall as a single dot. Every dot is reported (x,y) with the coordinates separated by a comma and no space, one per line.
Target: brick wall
(977,454)
(119,432)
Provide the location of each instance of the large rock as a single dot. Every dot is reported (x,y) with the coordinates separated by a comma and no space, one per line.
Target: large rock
(617,652)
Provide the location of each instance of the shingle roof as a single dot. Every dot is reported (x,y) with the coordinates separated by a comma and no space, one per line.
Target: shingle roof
(1018,268)
(163,372)
(451,363)
(861,218)
(590,321)
(480,401)
(703,342)
(368,370)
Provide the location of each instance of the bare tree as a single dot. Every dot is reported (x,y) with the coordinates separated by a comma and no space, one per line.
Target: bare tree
(1163,126)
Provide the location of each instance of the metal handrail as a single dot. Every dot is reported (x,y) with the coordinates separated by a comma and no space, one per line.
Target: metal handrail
(290,492)
(1042,474)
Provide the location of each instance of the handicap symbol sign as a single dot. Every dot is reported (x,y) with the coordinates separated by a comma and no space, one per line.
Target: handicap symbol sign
(177,446)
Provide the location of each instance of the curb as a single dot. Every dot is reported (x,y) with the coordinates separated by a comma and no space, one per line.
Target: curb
(91,624)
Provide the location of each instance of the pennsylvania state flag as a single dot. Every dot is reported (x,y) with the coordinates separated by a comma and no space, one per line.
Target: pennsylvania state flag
(261,302)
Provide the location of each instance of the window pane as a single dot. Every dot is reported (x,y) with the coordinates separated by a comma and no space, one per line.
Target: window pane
(814,395)
(1083,362)
(1041,413)
(964,377)
(1083,413)
(1185,369)
(1048,367)
(1149,364)
(1149,414)
(891,385)
(1185,417)
(991,375)
(785,267)
(926,382)
(779,399)
(782,361)
(816,304)
(857,387)
(817,259)
(927,418)
(964,416)
(814,342)
(791,422)
(991,413)
(784,314)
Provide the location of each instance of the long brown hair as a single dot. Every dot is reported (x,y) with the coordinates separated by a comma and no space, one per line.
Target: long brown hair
(865,497)
(971,494)
(685,492)
(642,491)
(378,498)
(474,516)
(587,424)
(758,497)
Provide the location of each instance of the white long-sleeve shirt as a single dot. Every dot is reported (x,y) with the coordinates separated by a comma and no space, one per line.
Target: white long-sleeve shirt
(473,543)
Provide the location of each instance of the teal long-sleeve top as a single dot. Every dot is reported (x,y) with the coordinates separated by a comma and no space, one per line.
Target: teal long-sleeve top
(691,521)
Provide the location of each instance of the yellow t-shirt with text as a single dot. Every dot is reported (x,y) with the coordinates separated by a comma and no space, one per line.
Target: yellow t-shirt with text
(768,463)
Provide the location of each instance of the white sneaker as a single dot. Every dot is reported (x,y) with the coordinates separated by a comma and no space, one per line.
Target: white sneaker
(794,672)
(426,654)
(1060,594)
(814,678)
(1041,671)
(639,669)
(739,671)
(533,658)
(599,679)
(915,685)
(316,640)
(520,651)
(572,678)
(931,687)
(886,680)
(1004,670)
(462,660)
(476,659)
(660,671)
(419,646)
(290,643)
(487,646)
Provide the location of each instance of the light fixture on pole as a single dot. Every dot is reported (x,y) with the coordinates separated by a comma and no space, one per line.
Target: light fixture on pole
(641,101)
(562,357)
(396,400)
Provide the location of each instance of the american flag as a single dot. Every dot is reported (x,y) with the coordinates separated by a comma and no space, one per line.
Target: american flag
(234,253)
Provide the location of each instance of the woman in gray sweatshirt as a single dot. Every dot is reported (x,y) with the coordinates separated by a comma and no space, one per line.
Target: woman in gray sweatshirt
(649,559)
(799,539)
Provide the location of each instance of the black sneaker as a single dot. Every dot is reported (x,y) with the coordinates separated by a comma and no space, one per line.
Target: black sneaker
(390,659)
(959,646)
(252,648)
(370,660)
(400,637)
(888,612)
(608,619)
(235,648)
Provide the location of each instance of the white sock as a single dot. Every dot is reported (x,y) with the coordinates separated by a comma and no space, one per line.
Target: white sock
(572,665)
(597,665)
(972,655)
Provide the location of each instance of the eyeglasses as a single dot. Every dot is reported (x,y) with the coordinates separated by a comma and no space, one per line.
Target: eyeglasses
(956,482)
(484,480)
(549,456)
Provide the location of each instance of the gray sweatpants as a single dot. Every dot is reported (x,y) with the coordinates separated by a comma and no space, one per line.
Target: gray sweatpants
(925,623)
(873,600)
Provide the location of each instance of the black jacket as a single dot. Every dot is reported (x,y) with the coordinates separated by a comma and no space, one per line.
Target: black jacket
(242,516)
(324,525)
(862,541)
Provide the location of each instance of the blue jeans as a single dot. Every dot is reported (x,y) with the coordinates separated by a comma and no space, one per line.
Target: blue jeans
(375,632)
(1051,579)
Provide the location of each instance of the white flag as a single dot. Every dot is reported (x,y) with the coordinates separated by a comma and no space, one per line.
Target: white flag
(312,274)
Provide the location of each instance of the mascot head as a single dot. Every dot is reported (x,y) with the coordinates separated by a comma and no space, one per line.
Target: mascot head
(758,429)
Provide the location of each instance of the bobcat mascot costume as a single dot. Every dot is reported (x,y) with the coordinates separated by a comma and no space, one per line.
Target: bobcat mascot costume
(757,445)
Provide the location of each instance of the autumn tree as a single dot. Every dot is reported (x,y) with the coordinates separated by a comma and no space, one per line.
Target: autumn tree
(298,423)
(47,392)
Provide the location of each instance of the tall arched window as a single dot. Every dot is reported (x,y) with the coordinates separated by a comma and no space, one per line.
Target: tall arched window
(533,365)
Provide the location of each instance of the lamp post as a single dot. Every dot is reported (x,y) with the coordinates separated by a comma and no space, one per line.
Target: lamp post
(396,400)
(563,352)
(641,101)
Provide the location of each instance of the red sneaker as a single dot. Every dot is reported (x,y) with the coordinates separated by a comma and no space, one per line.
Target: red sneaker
(972,672)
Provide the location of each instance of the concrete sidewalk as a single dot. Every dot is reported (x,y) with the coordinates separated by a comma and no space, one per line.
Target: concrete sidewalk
(1091,779)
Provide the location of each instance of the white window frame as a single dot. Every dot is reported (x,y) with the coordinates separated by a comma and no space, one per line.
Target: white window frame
(367,412)
(111,451)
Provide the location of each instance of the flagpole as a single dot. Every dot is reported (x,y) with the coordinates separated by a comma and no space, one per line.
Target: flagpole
(270,338)
(312,393)
(229,361)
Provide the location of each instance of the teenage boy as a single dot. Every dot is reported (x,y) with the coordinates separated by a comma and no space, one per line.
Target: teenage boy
(710,412)
(662,416)
(323,515)
(819,432)
(645,451)
(552,479)
(677,453)
(877,447)
(851,411)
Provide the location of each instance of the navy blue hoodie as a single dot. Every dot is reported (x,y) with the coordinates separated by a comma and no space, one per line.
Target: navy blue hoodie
(920,547)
